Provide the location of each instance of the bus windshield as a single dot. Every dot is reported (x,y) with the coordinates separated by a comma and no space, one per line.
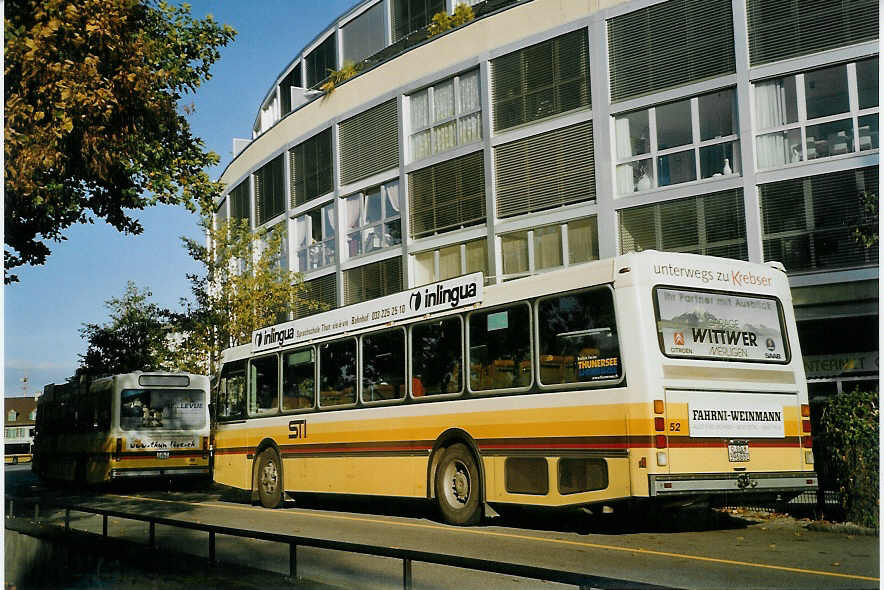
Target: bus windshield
(162,409)
(722,326)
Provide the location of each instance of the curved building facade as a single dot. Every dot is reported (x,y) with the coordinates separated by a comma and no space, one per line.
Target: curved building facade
(545,133)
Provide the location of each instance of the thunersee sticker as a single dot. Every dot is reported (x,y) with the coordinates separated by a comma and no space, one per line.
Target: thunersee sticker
(701,324)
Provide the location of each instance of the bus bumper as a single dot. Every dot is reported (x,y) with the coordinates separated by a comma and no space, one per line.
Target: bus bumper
(160,472)
(729,483)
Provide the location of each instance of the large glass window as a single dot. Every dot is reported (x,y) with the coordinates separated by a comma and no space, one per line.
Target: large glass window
(823,124)
(315,238)
(372,280)
(677,142)
(669,44)
(411,15)
(500,348)
(264,386)
(437,357)
(322,61)
(451,261)
(447,196)
(383,366)
(812,223)
(239,201)
(445,116)
(298,380)
(713,224)
(372,218)
(364,35)
(337,373)
(577,338)
(230,393)
(530,251)
(540,81)
(780,29)
(311,168)
(269,190)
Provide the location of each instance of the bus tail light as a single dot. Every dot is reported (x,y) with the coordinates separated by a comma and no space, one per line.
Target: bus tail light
(805,411)
(805,426)
(658,406)
(660,441)
(807,442)
(658,424)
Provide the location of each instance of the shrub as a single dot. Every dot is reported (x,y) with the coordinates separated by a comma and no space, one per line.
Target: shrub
(848,455)
(442,21)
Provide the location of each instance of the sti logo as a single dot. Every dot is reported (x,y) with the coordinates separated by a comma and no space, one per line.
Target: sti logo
(678,338)
(415,300)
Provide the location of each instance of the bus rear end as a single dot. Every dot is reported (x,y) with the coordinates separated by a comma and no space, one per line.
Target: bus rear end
(727,394)
(162,426)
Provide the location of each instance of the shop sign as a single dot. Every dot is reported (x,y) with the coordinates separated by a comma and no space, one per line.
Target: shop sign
(828,365)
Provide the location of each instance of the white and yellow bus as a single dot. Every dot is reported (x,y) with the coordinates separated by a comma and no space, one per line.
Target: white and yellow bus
(673,377)
(134,425)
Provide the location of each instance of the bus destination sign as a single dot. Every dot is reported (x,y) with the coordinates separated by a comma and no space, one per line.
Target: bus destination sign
(445,295)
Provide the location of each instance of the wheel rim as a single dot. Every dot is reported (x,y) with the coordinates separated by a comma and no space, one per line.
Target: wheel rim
(458,485)
(269,478)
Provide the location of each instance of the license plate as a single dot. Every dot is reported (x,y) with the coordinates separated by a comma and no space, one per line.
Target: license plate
(162,454)
(738,451)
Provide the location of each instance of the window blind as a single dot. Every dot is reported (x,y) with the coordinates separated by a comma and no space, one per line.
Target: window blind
(364,35)
(670,44)
(373,280)
(543,80)
(310,172)
(269,190)
(321,61)
(322,290)
(547,170)
(447,196)
(411,15)
(780,29)
(369,142)
(713,224)
(239,201)
(811,223)
(221,213)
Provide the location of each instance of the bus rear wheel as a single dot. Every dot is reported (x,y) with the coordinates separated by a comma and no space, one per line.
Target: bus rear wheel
(457,486)
(269,478)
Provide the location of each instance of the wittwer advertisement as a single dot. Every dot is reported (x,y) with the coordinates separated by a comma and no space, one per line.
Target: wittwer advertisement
(445,295)
(716,325)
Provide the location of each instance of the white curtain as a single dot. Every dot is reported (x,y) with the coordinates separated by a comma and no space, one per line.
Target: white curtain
(420,109)
(469,92)
(353,209)
(625,184)
(444,137)
(392,191)
(328,230)
(770,111)
(443,100)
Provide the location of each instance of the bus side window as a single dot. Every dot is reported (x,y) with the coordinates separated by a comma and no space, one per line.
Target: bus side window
(264,385)
(337,373)
(298,380)
(500,348)
(437,357)
(577,338)
(231,393)
(383,365)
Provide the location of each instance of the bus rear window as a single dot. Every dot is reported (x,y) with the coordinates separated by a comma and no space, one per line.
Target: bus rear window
(162,409)
(721,326)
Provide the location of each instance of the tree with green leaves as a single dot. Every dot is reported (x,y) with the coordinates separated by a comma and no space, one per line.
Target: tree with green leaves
(244,286)
(136,338)
(93,126)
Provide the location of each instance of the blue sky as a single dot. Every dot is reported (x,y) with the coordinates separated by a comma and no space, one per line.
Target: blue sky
(45,310)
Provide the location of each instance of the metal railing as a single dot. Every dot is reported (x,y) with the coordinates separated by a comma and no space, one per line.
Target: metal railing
(408,556)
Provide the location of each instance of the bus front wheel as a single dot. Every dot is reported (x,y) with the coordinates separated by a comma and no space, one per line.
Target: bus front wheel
(457,486)
(269,479)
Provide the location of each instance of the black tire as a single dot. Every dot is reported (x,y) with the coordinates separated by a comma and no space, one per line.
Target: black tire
(268,479)
(458,486)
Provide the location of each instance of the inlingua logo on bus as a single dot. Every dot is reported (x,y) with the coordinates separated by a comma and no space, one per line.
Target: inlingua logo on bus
(440,295)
